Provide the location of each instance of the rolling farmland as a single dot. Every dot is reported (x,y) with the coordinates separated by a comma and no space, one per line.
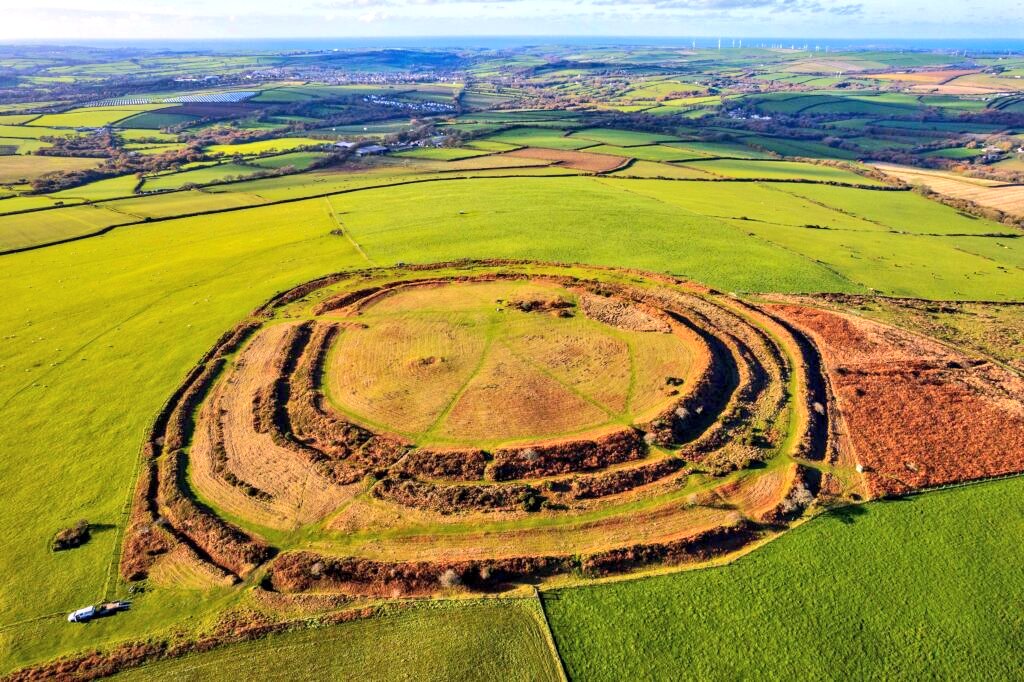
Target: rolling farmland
(572,362)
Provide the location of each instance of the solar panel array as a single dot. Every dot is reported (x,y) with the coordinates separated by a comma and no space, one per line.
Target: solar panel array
(202,98)
(214,97)
(119,101)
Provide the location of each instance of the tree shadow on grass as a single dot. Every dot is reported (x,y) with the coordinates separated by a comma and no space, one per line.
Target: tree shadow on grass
(847,514)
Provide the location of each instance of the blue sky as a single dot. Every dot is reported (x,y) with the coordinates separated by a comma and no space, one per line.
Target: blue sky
(140,19)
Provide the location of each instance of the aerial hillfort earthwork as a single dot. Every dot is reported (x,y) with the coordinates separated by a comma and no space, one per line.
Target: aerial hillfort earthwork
(546,362)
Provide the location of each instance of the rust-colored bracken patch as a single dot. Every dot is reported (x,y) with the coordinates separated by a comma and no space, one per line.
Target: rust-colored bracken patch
(917,413)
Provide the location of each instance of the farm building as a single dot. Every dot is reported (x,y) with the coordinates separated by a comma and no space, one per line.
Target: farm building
(372,150)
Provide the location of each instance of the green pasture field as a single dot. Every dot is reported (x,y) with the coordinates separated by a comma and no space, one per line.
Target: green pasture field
(307,93)
(442,153)
(788,103)
(870,106)
(16,168)
(689,101)
(154,120)
(483,99)
(723,149)
(24,202)
(474,128)
(320,182)
(804,148)
(121,186)
(367,129)
(953,102)
(25,229)
(688,112)
(17,119)
(909,265)
(24,146)
(200,176)
(142,134)
(327,181)
(653,169)
(873,144)
(857,123)
(300,160)
(147,149)
(645,153)
(862,253)
(622,138)
(896,211)
(780,170)
(495,639)
(908,59)
(281,144)
(627,108)
(908,589)
(93,117)
(33,132)
(282,95)
(945,126)
(517,116)
(1013,163)
(549,138)
(661,88)
(955,153)
(182,203)
(491,146)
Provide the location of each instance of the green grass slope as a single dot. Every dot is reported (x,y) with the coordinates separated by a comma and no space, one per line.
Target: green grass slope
(918,589)
(98,333)
(474,641)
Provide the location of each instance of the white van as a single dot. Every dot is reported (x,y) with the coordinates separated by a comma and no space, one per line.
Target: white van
(82,615)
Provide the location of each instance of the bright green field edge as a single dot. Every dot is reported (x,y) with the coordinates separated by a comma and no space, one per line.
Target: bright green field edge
(503,639)
(920,588)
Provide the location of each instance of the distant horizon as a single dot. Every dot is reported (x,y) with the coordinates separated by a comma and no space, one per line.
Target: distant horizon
(933,20)
(499,41)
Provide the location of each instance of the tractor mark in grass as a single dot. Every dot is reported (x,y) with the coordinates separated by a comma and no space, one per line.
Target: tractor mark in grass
(345,233)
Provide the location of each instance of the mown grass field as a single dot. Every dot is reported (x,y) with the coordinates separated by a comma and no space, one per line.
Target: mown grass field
(155,120)
(621,138)
(781,170)
(93,117)
(503,639)
(199,176)
(298,160)
(550,138)
(911,589)
(645,153)
(14,169)
(283,144)
(802,237)
(443,153)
